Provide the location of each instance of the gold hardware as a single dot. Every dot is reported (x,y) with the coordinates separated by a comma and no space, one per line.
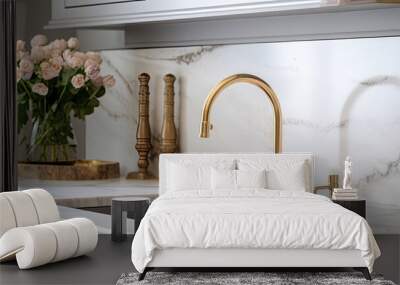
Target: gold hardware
(247,78)
(333,183)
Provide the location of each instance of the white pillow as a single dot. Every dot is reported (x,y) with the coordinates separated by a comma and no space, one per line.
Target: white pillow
(184,177)
(282,174)
(251,178)
(223,179)
(292,178)
(193,175)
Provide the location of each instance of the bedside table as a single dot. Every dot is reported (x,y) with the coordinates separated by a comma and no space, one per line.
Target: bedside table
(357,206)
(124,207)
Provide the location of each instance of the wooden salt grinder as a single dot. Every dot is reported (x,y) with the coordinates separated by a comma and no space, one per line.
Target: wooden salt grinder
(168,131)
(143,132)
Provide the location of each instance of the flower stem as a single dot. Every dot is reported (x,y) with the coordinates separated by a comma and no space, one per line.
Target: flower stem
(65,151)
(53,152)
(59,99)
(26,89)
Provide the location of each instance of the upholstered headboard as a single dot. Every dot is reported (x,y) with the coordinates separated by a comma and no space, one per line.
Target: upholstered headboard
(209,158)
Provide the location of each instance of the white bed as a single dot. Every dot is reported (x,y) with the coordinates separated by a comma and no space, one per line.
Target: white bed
(207,226)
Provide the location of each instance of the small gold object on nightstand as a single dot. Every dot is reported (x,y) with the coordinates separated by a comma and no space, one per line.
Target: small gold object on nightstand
(143,133)
(333,183)
(168,131)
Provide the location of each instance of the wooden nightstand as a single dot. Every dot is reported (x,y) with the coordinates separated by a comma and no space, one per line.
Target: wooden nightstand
(357,206)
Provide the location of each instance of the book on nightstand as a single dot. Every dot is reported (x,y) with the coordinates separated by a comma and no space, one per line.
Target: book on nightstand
(344,194)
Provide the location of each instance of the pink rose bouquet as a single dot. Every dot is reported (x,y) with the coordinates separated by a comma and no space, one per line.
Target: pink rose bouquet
(55,81)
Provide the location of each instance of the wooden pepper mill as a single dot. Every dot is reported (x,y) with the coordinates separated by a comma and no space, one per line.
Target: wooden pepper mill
(168,131)
(143,133)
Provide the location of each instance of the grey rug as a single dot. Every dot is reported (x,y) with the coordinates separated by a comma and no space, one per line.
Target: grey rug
(244,278)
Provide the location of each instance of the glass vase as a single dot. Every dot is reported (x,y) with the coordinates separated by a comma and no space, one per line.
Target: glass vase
(52,142)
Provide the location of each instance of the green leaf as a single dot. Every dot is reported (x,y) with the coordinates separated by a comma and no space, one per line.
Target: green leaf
(66,76)
(73,91)
(101,92)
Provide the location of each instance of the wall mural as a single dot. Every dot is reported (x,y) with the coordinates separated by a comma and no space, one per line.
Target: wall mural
(338,98)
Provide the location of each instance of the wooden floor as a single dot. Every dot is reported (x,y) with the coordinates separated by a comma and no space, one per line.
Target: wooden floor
(103,266)
(111,259)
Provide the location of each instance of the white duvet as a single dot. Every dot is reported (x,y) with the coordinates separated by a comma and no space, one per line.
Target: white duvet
(250,219)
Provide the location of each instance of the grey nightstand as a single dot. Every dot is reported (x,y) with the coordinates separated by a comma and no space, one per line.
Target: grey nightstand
(357,206)
(123,207)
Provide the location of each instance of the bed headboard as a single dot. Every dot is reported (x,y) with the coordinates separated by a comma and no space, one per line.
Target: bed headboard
(209,157)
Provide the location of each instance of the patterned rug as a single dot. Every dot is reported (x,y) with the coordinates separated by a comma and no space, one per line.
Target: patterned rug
(253,278)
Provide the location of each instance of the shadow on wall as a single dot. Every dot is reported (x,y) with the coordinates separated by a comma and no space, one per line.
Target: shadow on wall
(361,88)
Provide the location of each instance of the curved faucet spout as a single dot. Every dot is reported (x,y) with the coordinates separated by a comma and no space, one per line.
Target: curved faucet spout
(247,78)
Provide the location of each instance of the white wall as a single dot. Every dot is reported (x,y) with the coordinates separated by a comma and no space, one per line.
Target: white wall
(338,97)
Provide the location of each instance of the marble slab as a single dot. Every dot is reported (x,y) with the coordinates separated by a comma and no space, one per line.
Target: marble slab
(93,193)
(338,98)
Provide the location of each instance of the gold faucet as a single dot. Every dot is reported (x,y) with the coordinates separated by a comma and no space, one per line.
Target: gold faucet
(247,78)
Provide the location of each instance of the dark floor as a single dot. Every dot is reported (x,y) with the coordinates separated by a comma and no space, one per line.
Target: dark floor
(103,266)
(111,259)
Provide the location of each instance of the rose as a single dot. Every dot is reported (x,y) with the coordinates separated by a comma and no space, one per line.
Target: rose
(98,81)
(54,52)
(74,61)
(59,44)
(48,51)
(47,71)
(21,50)
(57,60)
(50,70)
(78,81)
(38,54)
(26,67)
(39,40)
(108,81)
(73,43)
(92,71)
(20,46)
(94,56)
(90,62)
(67,54)
(40,88)
(56,64)
(19,74)
(21,54)
(81,55)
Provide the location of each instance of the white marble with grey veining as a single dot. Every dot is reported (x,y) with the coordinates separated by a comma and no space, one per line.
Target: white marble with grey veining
(338,98)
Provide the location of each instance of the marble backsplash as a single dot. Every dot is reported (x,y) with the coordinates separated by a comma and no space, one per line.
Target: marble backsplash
(338,98)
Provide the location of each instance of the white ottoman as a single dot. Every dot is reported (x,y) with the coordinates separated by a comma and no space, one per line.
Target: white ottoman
(32,233)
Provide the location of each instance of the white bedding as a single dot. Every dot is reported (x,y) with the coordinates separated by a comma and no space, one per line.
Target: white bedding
(251,218)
